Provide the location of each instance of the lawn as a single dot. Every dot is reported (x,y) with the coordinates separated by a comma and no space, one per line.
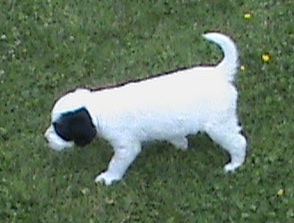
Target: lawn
(50,47)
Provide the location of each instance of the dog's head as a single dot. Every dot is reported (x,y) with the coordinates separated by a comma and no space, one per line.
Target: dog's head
(71,121)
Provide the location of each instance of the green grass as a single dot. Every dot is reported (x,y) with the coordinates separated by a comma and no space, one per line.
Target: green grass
(50,47)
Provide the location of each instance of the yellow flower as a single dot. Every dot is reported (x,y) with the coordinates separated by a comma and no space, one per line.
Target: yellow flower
(243,68)
(247,15)
(281,192)
(266,57)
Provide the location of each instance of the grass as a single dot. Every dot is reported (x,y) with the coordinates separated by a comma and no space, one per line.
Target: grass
(50,47)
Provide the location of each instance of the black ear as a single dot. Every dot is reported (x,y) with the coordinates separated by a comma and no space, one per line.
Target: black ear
(76,126)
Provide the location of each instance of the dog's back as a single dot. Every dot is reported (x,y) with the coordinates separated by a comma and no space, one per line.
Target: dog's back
(178,103)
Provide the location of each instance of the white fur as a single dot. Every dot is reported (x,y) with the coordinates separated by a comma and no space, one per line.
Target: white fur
(168,107)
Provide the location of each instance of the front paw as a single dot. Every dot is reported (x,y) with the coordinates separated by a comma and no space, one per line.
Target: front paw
(107,178)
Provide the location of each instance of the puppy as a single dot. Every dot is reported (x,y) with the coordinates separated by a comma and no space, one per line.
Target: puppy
(168,107)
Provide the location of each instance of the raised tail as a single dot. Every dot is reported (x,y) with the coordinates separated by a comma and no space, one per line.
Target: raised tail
(230,62)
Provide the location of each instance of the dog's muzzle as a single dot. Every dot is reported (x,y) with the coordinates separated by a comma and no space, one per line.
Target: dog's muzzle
(55,142)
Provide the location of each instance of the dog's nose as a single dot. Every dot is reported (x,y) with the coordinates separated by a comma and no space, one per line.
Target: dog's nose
(46,140)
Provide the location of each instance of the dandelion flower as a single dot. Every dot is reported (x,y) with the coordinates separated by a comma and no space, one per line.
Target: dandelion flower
(266,57)
(243,68)
(247,15)
(281,192)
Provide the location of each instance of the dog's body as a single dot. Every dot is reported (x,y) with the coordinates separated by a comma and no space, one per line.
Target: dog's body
(168,107)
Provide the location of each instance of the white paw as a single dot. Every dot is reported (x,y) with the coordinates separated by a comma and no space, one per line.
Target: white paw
(107,178)
(230,167)
(180,143)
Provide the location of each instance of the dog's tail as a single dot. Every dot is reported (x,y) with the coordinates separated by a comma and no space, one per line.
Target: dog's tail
(230,62)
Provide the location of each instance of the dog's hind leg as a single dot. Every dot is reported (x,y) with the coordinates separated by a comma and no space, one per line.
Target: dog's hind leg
(229,137)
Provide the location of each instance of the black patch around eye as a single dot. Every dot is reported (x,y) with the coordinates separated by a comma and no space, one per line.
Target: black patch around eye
(76,126)
(62,130)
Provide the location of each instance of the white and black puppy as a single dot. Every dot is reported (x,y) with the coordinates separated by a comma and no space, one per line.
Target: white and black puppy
(167,107)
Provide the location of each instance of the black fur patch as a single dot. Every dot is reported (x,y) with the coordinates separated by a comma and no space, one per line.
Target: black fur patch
(76,126)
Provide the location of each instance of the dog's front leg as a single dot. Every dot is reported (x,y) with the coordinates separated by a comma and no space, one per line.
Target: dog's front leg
(123,157)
